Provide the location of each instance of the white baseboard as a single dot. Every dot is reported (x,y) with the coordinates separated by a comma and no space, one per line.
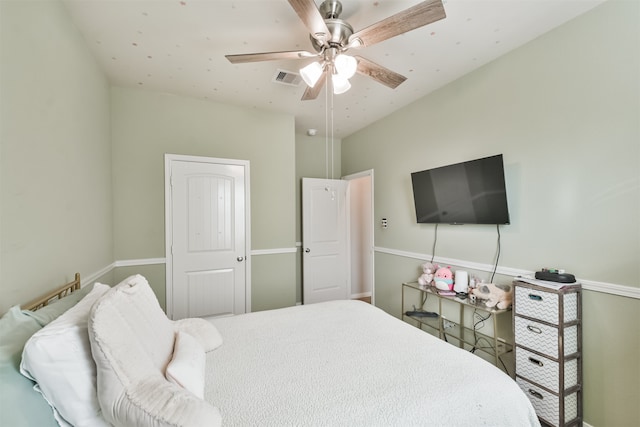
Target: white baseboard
(274,251)
(590,285)
(137,262)
(156,261)
(91,278)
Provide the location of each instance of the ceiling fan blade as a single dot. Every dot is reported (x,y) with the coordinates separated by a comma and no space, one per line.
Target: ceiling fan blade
(415,17)
(379,73)
(312,19)
(269,56)
(313,92)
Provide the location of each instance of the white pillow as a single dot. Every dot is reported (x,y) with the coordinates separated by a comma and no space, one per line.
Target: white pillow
(58,357)
(186,368)
(132,343)
(202,330)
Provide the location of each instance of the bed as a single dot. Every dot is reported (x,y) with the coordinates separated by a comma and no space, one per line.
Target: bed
(337,363)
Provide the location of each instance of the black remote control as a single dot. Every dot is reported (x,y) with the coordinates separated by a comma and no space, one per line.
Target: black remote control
(555,276)
(420,313)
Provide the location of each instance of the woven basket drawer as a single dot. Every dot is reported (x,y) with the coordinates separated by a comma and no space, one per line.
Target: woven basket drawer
(545,372)
(537,304)
(547,405)
(544,338)
(545,305)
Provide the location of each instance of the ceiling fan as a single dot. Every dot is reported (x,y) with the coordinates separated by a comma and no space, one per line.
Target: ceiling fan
(331,37)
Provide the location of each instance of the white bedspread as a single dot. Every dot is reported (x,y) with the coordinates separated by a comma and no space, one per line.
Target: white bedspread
(347,363)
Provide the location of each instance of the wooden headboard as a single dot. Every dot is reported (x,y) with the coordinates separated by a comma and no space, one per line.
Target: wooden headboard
(62,291)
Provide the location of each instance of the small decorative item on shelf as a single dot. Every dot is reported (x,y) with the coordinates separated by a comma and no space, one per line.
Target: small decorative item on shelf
(461,282)
(473,280)
(495,295)
(472,285)
(428,269)
(443,279)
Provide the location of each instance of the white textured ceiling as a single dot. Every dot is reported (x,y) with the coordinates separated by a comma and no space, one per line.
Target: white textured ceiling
(178,47)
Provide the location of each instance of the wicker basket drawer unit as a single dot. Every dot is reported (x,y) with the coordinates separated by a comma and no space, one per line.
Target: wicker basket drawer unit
(544,338)
(545,371)
(547,325)
(544,305)
(548,405)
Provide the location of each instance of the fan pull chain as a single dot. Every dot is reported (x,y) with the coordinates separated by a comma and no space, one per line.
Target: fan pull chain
(326,130)
(332,172)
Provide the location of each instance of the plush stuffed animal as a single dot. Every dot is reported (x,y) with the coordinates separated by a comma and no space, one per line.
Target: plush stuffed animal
(427,274)
(499,296)
(443,279)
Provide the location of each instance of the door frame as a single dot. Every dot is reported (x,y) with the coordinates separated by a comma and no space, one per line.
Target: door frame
(168,222)
(354,176)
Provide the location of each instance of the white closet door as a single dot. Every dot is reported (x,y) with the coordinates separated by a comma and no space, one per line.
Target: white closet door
(208,248)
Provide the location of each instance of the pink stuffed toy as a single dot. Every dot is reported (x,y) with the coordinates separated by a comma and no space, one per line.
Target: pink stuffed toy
(444,279)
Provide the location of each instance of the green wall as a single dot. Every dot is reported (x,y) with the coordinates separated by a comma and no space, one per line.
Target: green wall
(55,174)
(83,170)
(146,125)
(564,110)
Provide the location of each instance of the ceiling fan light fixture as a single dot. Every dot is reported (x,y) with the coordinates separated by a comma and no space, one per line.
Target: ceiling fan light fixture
(340,84)
(311,73)
(345,65)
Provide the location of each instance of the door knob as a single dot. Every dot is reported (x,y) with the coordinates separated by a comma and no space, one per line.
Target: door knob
(240,259)
(307,250)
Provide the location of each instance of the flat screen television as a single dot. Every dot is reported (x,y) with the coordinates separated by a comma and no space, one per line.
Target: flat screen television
(471,192)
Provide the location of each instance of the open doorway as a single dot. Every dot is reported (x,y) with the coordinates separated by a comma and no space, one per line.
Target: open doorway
(361,237)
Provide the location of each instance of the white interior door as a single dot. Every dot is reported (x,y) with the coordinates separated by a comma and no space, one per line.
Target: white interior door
(206,238)
(325,240)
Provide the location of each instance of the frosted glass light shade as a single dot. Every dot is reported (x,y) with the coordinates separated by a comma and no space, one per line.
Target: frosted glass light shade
(346,65)
(311,73)
(340,84)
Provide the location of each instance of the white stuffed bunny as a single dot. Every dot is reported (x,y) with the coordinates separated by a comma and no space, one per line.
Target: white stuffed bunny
(428,271)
